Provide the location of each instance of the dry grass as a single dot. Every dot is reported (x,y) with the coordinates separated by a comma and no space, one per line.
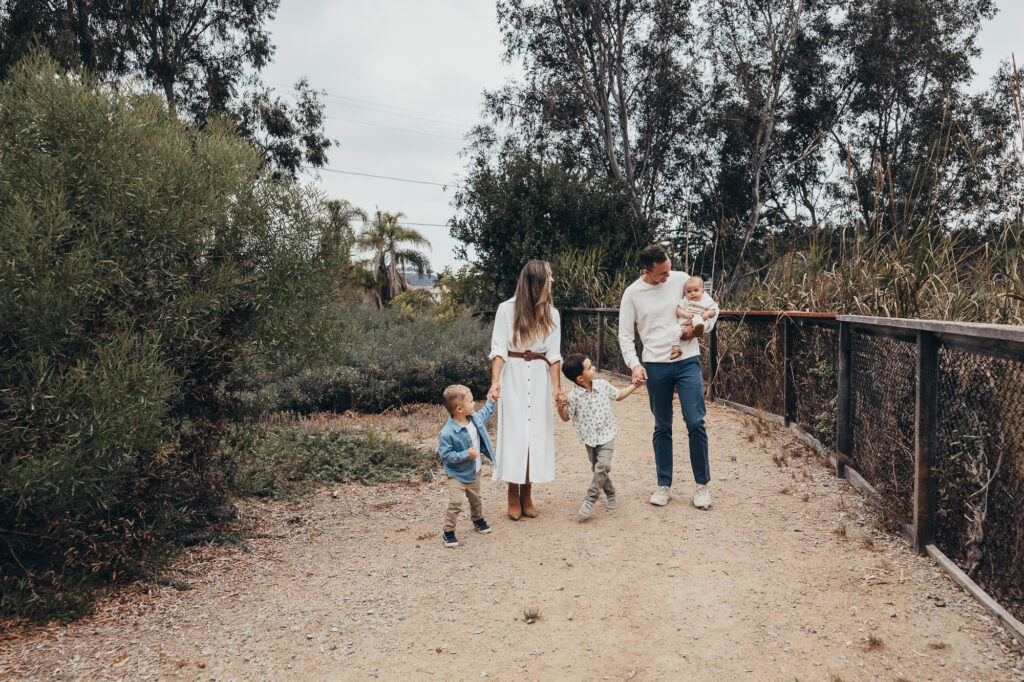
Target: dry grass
(874,642)
(418,424)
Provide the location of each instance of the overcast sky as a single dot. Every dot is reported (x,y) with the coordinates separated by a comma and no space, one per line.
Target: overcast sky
(404,80)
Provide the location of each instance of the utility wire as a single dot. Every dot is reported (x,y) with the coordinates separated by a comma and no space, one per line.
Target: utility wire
(404,130)
(380,107)
(383,177)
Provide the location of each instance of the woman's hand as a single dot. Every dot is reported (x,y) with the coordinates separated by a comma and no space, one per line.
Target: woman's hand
(556,396)
(494,392)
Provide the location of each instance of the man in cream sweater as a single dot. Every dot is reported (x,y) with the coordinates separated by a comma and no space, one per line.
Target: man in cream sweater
(649,304)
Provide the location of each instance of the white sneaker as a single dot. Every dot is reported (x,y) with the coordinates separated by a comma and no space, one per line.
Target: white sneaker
(587,509)
(611,502)
(701,497)
(661,496)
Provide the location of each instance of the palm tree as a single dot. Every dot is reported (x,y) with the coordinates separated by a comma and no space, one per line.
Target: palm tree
(340,230)
(391,248)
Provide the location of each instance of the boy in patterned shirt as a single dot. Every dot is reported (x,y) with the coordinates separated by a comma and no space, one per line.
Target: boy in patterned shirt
(589,407)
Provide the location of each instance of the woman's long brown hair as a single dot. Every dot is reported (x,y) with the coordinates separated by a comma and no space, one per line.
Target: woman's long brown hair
(532,316)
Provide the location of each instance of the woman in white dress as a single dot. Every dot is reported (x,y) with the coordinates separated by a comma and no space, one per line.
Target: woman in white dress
(525,359)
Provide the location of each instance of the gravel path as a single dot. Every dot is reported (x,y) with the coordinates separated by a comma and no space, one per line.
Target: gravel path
(787,576)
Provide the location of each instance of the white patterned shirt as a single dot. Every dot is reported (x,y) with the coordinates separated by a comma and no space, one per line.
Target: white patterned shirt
(591,412)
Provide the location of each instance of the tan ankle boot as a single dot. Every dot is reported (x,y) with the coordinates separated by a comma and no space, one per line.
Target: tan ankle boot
(529,511)
(514,508)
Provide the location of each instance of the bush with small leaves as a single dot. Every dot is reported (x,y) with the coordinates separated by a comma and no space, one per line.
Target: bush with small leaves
(142,257)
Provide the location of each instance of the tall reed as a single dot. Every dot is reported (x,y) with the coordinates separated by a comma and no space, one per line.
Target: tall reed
(926,265)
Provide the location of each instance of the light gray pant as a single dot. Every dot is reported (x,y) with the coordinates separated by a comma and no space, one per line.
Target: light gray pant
(600,463)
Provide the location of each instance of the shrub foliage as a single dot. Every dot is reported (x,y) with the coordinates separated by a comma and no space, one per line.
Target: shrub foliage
(141,257)
(286,459)
(383,359)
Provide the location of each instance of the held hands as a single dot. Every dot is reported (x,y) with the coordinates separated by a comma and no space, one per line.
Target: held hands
(561,399)
(472,453)
(494,393)
(639,375)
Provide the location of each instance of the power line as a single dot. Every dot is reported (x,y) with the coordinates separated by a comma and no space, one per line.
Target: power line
(383,177)
(397,108)
(404,130)
(380,107)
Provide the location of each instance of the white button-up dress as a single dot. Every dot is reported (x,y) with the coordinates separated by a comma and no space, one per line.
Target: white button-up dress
(526,412)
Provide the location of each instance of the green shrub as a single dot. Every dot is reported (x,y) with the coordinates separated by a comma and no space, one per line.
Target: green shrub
(383,360)
(141,258)
(288,459)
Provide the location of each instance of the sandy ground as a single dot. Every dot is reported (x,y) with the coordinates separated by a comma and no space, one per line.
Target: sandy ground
(787,576)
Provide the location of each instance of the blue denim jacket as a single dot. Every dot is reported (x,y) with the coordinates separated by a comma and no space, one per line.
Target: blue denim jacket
(453,444)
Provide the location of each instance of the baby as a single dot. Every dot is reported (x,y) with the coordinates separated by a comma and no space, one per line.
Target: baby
(695,307)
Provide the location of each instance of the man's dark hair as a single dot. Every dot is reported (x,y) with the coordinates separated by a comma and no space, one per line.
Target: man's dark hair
(651,255)
(572,366)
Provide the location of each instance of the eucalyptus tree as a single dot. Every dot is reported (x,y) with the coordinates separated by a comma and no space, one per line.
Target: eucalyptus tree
(608,85)
(203,55)
(781,95)
(910,61)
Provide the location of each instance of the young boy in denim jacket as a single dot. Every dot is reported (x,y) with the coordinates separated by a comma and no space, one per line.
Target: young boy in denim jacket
(589,407)
(461,442)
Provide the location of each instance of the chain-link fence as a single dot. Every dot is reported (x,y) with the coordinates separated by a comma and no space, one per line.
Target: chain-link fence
(979,467)
(750,362)
(882,392)
(862,398)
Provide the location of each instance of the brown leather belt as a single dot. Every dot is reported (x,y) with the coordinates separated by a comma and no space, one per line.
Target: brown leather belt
(529,355)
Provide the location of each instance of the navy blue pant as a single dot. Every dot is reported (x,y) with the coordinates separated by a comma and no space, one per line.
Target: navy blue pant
(684,378)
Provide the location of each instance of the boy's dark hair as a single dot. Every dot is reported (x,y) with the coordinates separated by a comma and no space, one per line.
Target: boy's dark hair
(572,366)
(652,254)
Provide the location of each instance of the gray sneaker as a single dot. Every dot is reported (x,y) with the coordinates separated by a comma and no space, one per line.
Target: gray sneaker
(587,508)
(661,496)
(610,502)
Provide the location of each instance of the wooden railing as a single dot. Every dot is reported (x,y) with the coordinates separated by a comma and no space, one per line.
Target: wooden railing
(899,382)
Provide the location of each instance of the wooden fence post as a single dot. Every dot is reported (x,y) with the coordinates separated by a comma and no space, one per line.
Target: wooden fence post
(713,362)
(844,420)
(788,394)
(600,340)
(925,413)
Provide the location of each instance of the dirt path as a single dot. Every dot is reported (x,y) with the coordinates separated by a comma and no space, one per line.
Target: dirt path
(762,586)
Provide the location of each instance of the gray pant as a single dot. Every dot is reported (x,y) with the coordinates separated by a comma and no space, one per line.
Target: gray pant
(600,463)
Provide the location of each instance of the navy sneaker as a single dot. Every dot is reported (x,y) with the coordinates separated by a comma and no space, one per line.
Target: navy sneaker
(481,526)
(449,539)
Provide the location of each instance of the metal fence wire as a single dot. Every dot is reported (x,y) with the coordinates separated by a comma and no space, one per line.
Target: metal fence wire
(883,389)
(792,365)
(979,466)
(813,377)
(750,363)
